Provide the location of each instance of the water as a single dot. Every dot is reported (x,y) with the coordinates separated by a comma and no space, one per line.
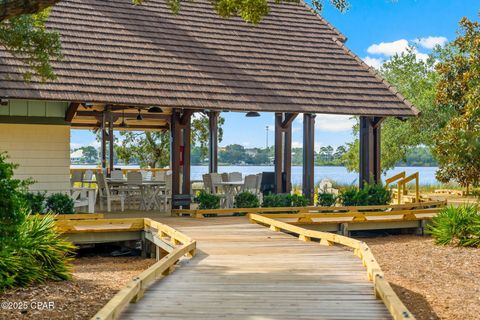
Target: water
(337,174)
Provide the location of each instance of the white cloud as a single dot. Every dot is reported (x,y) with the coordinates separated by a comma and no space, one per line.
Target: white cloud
(373,62)
(76,145)
(421,56)
(333,122)
(431,42)
(389,48)
(297,144)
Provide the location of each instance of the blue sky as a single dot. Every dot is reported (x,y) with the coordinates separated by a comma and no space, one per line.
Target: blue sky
(375,30)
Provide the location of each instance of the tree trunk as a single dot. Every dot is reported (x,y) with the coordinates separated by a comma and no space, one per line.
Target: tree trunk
(13,8)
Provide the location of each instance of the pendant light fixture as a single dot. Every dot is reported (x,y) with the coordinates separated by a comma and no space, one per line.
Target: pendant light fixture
(252,114)
(139,117)
(123,124)
(155,110)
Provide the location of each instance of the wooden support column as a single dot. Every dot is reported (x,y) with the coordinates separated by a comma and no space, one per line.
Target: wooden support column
(110,140)
(180,156)
(213,141)
(283,151)
(370,150)
(103,142)
(278,151)
(308,155)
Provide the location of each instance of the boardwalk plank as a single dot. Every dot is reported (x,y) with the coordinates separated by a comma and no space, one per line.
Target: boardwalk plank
(246,271)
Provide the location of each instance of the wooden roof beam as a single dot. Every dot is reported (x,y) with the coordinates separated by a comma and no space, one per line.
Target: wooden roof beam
(289,117)
(71,111)
(144,115)
(186,116)
(130,126)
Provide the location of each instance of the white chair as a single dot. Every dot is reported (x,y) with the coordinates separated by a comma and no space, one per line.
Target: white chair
(207,182)
(77,176)
(116,174)
(259,183)
(250,184)
(224,177)
(83,198)
(105,194)
(235,176)
(146,175)
(159,176)
(133,187)
(216,182)
(88,175)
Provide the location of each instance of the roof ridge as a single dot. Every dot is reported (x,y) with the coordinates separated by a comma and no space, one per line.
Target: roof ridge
(335,30)
(375,73)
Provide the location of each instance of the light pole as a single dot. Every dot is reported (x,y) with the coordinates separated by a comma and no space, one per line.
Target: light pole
(266,136)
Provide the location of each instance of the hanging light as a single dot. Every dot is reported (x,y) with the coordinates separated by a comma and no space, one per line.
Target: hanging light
(155,110)
(139,117)
(123,124)
(252,114)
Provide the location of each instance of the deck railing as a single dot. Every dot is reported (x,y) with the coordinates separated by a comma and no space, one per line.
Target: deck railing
(355,211)
(162,236)
(383,290)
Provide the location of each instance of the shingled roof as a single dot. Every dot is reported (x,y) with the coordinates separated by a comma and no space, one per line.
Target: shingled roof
(115,52)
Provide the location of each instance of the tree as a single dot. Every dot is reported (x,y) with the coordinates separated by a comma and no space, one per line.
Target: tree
(417,81)
(90,154)
(234,153)
(23,32)
(457,147)
(152,149)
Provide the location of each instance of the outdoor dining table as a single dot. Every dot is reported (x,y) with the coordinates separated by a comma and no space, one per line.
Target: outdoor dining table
(149,191)
(231,189)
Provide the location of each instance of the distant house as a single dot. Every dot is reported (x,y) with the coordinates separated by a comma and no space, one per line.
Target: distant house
(76,156)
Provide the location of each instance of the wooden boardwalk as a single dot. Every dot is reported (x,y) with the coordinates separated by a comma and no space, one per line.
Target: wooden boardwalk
(247,271)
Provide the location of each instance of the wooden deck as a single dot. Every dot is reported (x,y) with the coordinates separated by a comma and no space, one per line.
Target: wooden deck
(246,271)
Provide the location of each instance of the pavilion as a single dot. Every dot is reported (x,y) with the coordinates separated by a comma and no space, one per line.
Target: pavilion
(122,60)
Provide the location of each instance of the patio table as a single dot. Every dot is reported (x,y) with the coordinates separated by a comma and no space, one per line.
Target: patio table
(231,188)
(149,191)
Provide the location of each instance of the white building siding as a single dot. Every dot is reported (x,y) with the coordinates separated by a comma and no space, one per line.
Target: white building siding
(42,153)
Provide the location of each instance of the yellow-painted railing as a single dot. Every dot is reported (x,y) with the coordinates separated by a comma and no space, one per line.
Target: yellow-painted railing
(200,213)
(402,181)
(383,290)
(402,184)
(394,178)
(180,245)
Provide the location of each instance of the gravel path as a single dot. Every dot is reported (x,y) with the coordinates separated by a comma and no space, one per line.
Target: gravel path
(95,281)
(434,282)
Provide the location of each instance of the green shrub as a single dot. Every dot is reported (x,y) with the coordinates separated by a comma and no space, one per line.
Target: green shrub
(60,203)
(31,249)
(299,200)
(207,200)
(11,200)
(246,200)
(37,254)
(35,202)
(273,200)
(457,226)
(371,194)
(377,194)
(326,199)
(352,196)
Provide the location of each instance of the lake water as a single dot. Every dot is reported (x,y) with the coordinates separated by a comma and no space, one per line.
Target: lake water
(338,174)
